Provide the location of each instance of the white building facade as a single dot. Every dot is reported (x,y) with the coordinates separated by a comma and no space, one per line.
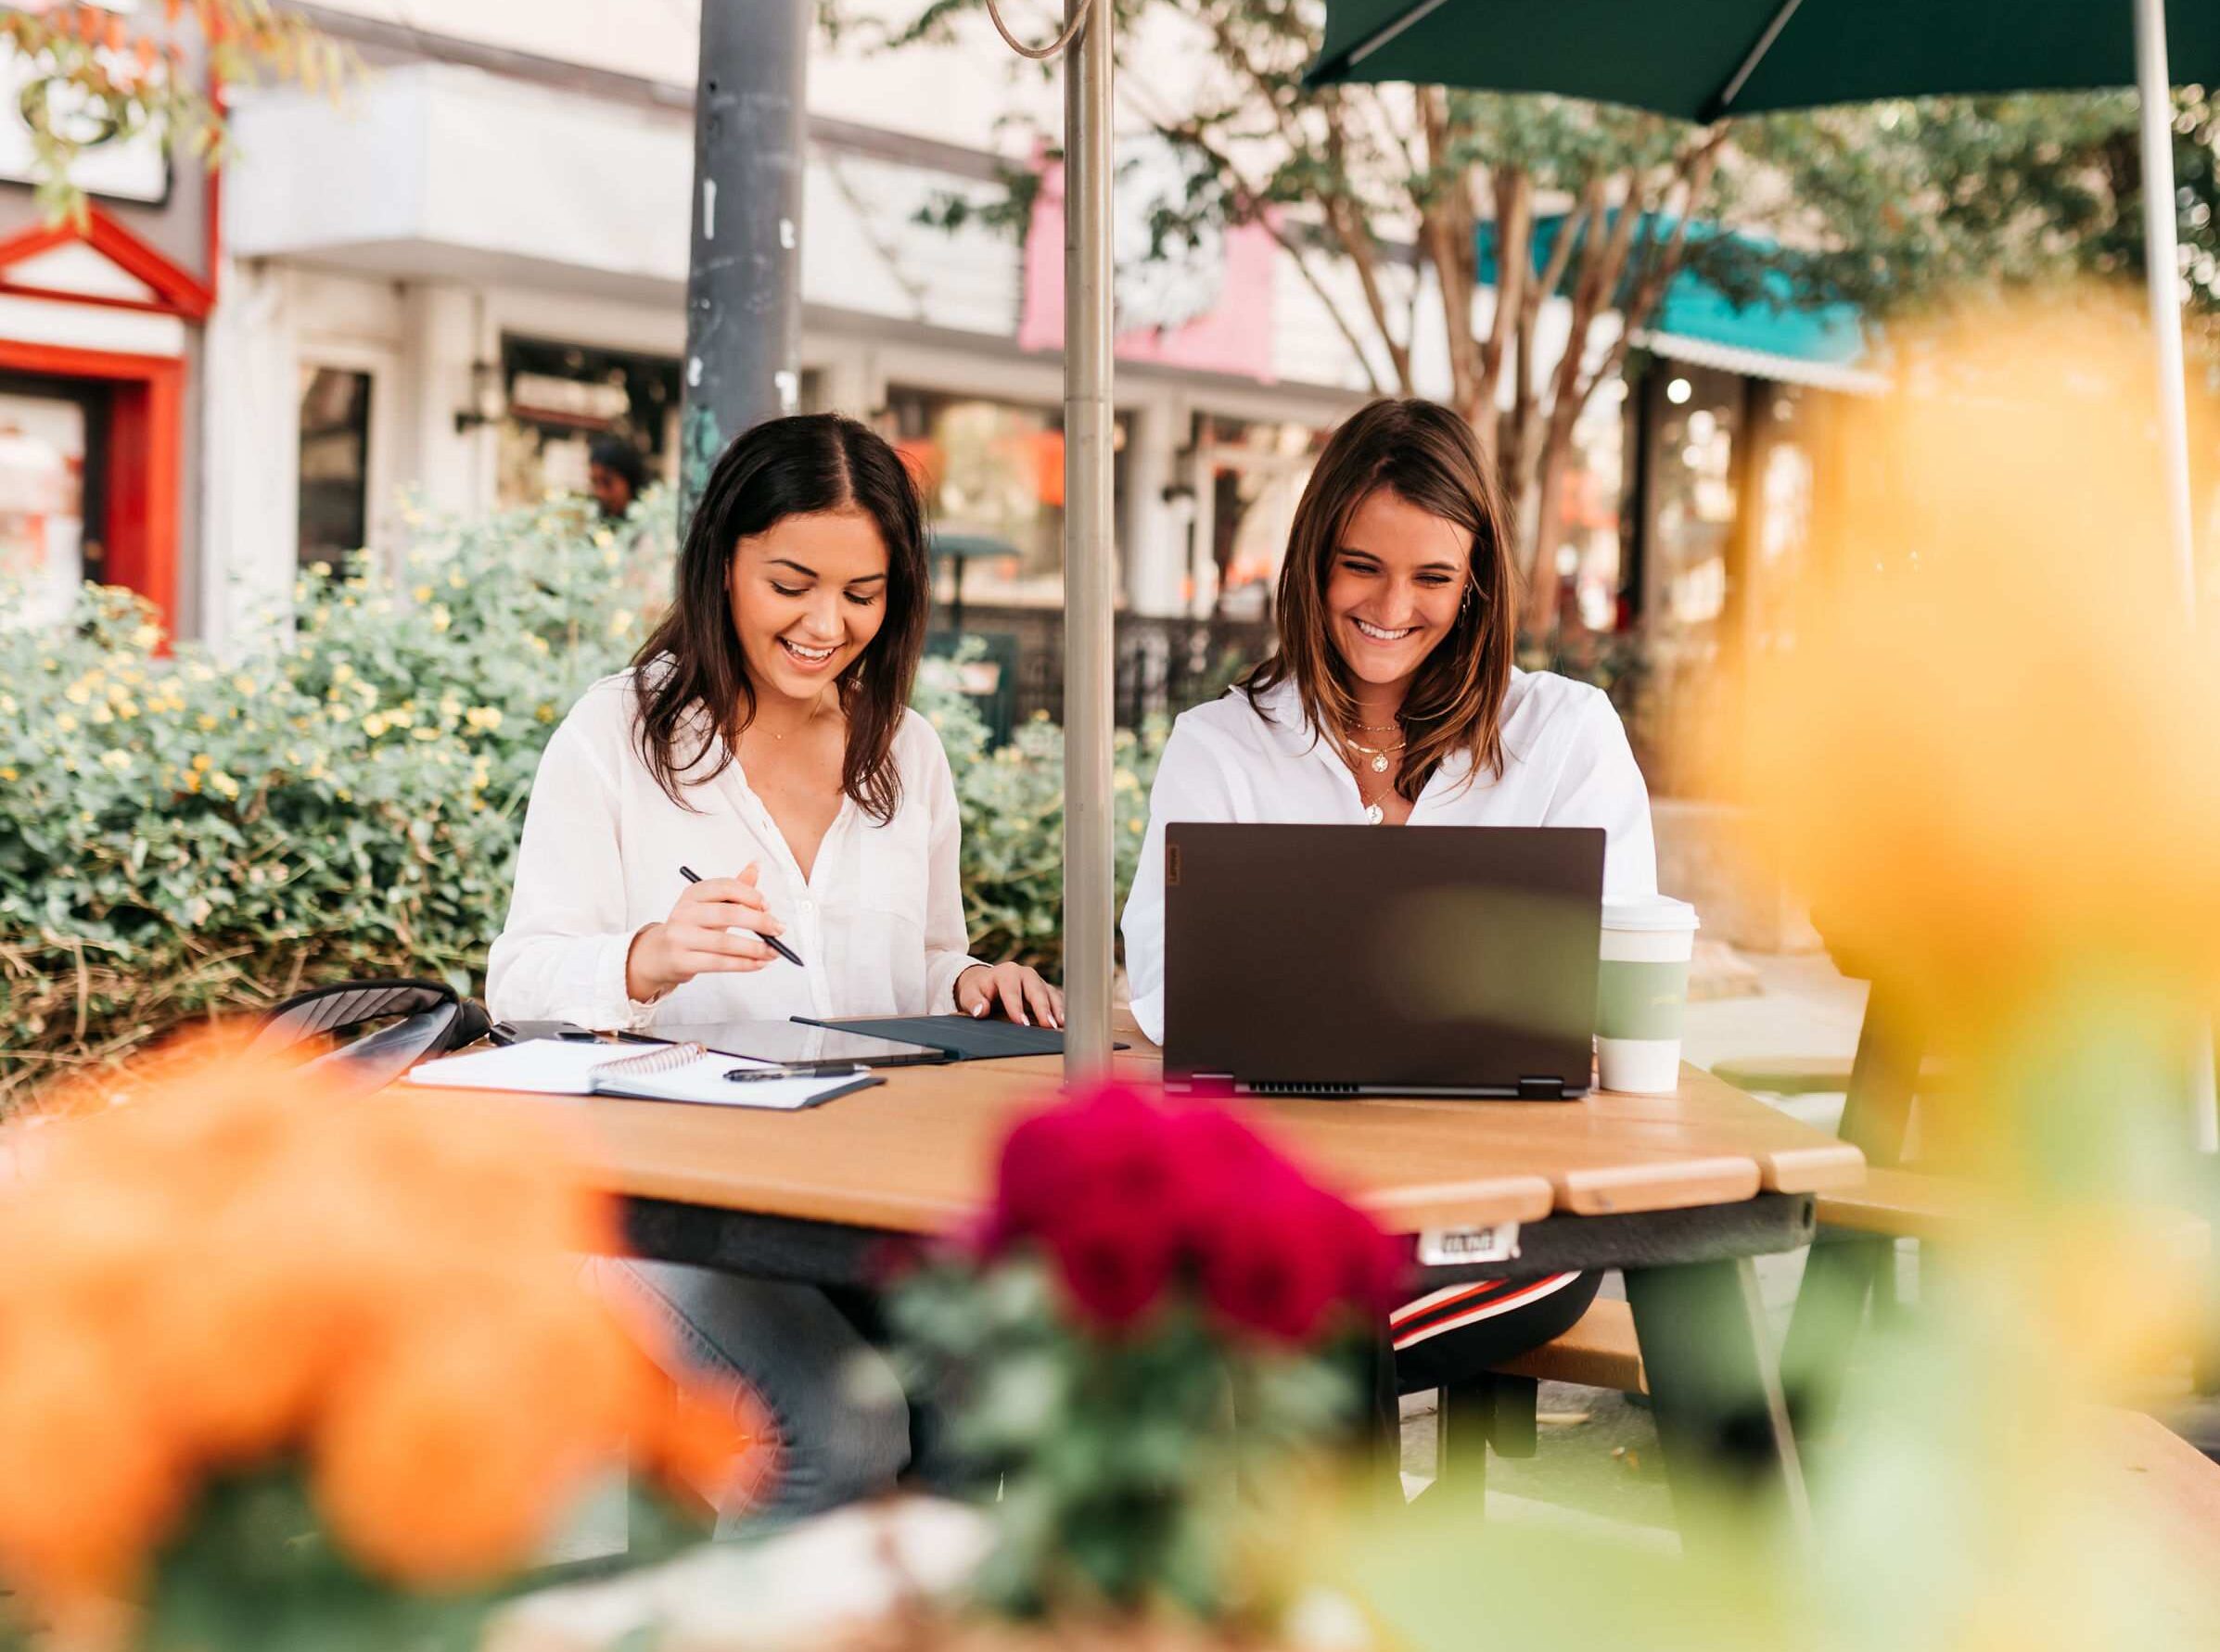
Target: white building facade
(442,285)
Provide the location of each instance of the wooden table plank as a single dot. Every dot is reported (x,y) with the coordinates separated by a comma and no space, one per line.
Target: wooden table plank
(916,1154)
(1791,1156)
(1705,1115)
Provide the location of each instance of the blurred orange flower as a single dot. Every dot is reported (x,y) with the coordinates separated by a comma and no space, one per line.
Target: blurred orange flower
(240,1263)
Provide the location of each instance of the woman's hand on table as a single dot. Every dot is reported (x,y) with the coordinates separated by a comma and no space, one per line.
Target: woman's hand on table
(1014,991)
(715,927)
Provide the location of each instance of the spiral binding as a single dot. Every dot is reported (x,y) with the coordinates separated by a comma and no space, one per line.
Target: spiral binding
(654,1061)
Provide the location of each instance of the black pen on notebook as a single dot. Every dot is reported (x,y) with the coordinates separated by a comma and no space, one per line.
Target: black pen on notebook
(749,1074)
(776,945)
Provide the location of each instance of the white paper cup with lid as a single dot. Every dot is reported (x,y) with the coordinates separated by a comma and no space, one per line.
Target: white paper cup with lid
(1641,997)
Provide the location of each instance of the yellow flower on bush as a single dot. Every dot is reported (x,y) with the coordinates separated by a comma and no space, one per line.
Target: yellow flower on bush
(145,636)
(66,723)
(246,685)
(206,721)
(78,692)
(220,782)
(441,617)
(423,734)
(423,593)
(116,762)
(342,672)
(484,719)
(375,724)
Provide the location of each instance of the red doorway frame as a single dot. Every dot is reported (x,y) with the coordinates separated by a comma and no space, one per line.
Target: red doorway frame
(146,458)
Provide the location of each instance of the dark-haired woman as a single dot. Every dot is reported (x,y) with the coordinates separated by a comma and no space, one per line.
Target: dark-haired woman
(763,738)
(1392,700)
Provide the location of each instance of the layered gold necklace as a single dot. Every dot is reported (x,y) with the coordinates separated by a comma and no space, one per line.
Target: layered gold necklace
(1376,758)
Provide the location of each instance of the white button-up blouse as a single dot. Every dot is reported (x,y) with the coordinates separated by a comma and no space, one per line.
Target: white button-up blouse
(1565,763)
(878,923)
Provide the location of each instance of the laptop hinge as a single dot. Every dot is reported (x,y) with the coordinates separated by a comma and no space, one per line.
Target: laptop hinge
(1541,1090)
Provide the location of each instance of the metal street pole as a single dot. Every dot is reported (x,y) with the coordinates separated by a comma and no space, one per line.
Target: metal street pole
(2154,89)
(1089,893)
(2163,275)
(744,272)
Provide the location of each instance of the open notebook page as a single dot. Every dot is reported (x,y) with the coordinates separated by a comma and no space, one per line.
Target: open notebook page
(555,1067)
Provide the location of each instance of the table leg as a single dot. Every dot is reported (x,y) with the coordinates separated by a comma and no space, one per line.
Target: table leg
(1721,1419)
(1839,1279)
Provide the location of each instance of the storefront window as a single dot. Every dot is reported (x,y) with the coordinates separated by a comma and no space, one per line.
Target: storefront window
(1587,556)
(1254,473)
(50,446)
(1691,574)
(993,478)
(1782,490)
(334,463)
(562,396)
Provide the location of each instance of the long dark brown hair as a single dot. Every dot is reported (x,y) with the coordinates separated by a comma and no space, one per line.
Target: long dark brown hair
(1428,456)
(693,677)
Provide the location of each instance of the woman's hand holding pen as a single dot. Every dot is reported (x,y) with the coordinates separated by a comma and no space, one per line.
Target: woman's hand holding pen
(716,927)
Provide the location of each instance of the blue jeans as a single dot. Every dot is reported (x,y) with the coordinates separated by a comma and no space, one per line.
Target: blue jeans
(844,1424)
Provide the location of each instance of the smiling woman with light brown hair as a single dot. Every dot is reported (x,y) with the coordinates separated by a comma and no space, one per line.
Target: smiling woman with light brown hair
(1393,700)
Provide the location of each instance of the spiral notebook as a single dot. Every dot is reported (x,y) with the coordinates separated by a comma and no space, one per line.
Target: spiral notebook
(661,1073)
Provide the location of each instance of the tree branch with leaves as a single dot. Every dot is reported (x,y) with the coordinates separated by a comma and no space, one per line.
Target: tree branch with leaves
(1521,210)
(97,76)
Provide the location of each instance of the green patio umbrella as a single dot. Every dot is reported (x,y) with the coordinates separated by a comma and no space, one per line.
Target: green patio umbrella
(1706,59)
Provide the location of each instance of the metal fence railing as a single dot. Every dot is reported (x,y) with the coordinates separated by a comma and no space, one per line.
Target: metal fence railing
(1161,665)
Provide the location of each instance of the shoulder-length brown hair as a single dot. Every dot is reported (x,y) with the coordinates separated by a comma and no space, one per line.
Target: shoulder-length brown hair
(1429,457)
(694,682)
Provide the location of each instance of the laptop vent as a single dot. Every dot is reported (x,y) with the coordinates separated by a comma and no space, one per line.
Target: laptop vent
(1300,1089)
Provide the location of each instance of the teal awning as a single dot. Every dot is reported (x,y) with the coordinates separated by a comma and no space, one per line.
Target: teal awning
(1762,330)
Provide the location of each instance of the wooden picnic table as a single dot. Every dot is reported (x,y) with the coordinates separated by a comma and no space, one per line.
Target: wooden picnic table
(1678,1192)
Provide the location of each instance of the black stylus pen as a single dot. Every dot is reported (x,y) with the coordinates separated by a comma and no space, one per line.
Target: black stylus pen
(776,945)
(748,1074)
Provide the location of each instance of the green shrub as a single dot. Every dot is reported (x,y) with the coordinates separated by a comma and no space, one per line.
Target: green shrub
(182,836)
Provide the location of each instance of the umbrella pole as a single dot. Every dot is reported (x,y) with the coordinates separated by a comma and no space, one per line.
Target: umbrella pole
(1089,893)
(2155,88)
(2157,100)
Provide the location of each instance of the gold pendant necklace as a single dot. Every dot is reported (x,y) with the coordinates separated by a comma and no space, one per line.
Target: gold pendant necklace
(1377,754)
(1374,812)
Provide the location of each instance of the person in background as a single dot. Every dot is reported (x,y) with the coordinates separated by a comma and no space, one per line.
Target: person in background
(1392,700)
(763,736)
(616,475)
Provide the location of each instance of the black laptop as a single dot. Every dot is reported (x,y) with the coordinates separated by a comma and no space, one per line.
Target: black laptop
(1360,961)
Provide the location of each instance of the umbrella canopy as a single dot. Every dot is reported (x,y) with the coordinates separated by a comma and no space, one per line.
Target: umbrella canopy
(1701,59)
